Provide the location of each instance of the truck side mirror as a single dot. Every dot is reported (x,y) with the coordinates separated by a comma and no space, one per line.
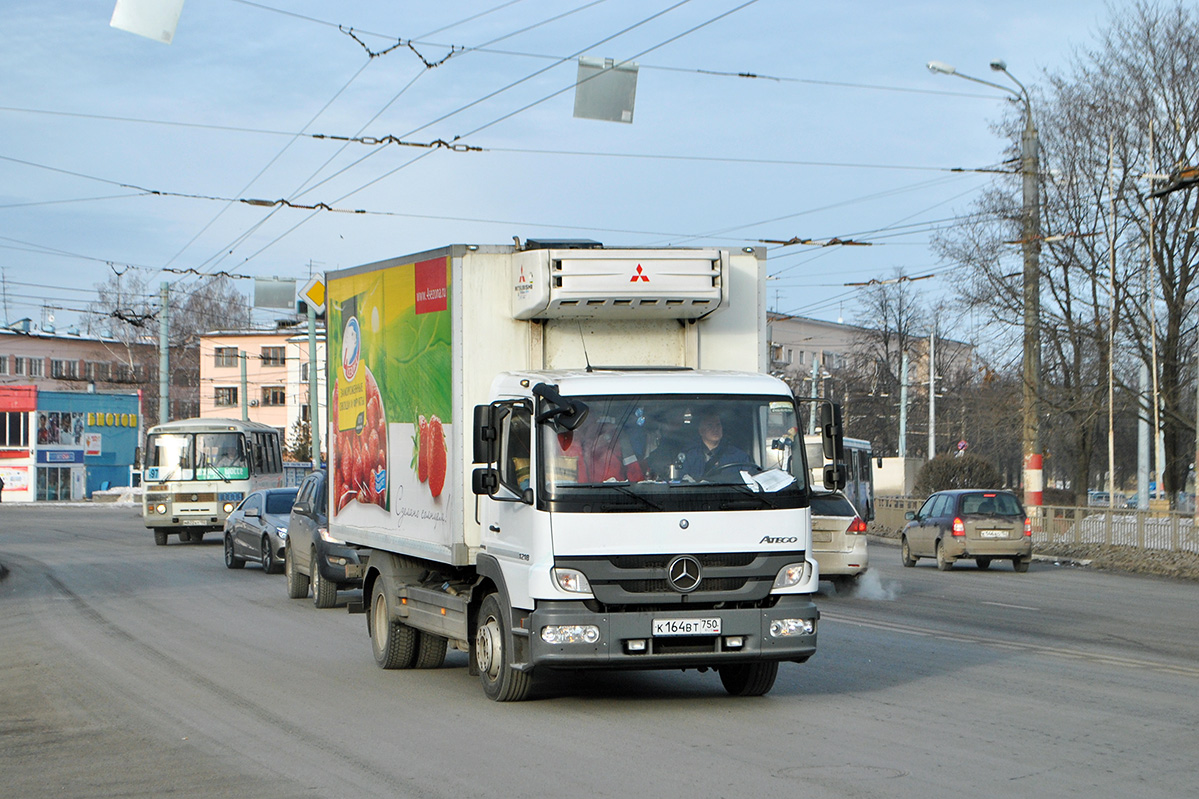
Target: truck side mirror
(485,435)
(834,476)
(485,481)
(832,434)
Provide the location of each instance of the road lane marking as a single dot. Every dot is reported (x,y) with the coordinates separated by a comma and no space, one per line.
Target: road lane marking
(1006,605)
(1053,651)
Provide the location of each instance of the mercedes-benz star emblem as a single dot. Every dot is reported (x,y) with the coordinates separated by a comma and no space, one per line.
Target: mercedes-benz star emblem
(683,574)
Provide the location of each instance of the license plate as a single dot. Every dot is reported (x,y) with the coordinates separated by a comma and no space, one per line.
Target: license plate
(686,627)
(993,533)
(193,522)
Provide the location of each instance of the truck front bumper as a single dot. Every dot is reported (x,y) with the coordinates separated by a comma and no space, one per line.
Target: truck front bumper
(626,638)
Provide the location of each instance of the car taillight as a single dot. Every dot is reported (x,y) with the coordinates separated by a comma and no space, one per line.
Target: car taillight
(1027,527)
(959,528)
(856,526)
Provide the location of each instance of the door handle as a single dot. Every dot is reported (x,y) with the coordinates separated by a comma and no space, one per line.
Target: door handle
(495,528)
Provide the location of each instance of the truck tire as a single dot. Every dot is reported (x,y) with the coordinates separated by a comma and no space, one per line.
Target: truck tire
(324,592)
(430,650)
(393,643)
(749,679)
(297,584)
(944,562)
(231,561)
(160,538)
(501,682)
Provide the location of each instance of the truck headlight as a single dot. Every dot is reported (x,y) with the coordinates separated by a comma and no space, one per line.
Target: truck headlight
(791,575)
(570,634)
(781,628)
(162,509)
(228,507)
(572,580)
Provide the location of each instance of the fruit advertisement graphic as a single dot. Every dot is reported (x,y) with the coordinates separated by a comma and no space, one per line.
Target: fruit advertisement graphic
(391,394)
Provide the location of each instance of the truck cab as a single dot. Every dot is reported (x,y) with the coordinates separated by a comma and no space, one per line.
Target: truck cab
(649,519)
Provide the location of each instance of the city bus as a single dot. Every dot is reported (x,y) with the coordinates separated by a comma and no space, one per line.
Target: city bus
(196,471)
(859,472)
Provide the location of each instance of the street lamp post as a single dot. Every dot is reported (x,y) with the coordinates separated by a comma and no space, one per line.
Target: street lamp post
(1030,240)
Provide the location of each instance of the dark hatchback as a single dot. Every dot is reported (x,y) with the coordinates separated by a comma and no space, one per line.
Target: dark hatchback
(313,557)
(968,523)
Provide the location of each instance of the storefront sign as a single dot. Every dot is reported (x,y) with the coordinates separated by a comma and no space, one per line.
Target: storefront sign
(59,456)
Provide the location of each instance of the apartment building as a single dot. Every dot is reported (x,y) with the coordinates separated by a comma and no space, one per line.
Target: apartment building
(273,388)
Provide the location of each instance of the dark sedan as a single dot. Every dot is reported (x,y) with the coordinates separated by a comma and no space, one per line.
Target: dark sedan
(312,555)
(257,529)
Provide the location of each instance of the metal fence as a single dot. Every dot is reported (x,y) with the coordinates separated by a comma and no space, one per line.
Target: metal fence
(1079,526)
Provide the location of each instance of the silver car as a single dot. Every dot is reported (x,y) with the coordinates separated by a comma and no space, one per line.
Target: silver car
(256,530)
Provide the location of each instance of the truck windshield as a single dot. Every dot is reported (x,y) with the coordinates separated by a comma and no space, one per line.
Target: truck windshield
(675,452)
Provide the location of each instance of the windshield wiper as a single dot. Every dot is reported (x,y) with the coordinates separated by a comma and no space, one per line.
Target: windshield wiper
(629,492)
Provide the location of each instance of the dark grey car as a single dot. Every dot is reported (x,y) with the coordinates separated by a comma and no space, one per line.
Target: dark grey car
(312,555)
(968,523)
(257,529)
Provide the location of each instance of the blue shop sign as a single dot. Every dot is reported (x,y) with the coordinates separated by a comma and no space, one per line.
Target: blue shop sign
(59,456)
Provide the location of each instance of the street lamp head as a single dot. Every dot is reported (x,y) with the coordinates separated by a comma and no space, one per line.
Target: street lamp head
(941,68)
(999,65)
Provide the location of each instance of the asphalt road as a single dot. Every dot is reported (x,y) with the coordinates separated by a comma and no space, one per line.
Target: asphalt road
(128,669)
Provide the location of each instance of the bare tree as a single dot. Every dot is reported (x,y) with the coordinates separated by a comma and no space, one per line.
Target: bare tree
(1095,119)
(127,311)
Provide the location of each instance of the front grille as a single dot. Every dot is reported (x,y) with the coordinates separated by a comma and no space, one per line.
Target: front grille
(641,580)
(194,497)
(715,560)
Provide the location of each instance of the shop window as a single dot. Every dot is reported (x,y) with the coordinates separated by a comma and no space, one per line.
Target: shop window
(14,429)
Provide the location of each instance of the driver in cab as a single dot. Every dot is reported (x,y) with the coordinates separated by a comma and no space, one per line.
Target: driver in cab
(712,453)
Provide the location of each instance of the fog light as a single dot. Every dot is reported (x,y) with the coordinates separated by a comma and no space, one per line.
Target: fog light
(635,645)
(734,642)
(227,507)
(570,634)
(781,628)
(162,509)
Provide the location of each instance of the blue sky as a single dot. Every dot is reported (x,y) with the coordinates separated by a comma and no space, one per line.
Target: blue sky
(845,133)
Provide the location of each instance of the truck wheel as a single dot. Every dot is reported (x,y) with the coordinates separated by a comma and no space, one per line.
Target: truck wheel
(430,650)
(297,584)
(500,681)
(160,538)
(749,679)
(394,644)
(944,563)
(905,552)
(231,561)
(324,592)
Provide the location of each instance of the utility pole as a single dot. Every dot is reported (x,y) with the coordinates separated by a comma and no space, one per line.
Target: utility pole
(245,393)
(903,405)
(932,394)
(164,352)
(1030,241)
(314,405)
